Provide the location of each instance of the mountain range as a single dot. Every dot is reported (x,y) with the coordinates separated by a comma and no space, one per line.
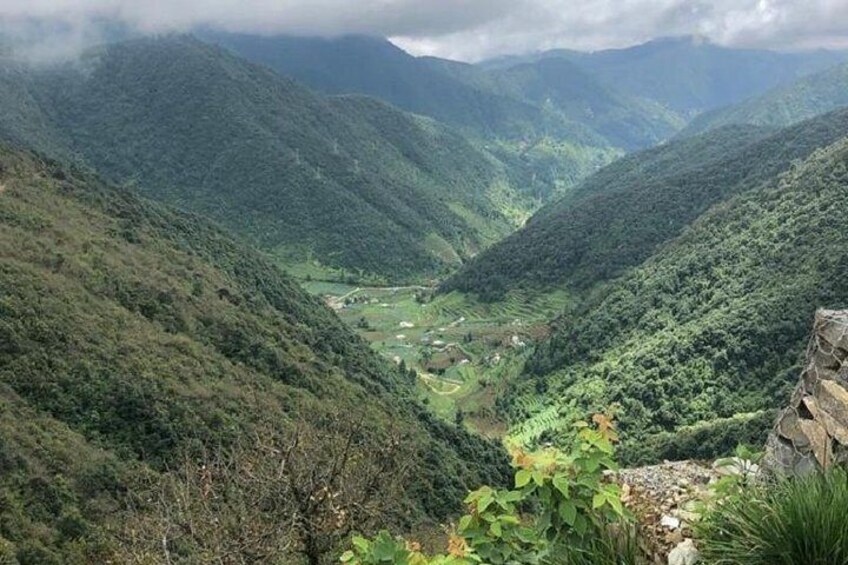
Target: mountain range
(689,74)
(782,106)
(623,214)
(167,388)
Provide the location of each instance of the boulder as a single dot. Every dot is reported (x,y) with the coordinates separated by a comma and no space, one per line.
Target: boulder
(812,432)
(684,554)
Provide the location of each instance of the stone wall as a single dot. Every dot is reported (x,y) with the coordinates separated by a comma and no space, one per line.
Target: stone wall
(812,432)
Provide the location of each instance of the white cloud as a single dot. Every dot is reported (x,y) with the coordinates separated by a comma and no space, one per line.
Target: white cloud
(464,29)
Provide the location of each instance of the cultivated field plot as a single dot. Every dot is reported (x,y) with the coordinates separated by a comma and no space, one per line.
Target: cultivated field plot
(462,350)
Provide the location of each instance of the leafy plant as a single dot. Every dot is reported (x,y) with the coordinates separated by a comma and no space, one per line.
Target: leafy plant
(561,510)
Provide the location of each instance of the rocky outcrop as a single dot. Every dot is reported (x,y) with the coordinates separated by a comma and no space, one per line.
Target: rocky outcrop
(812,432)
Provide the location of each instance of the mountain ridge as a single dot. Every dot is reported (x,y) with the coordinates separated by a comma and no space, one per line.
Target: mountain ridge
(298,173)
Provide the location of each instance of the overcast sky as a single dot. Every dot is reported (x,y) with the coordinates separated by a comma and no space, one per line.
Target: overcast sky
(459,29)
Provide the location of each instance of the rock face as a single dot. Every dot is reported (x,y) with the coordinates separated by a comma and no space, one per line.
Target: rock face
(812,432)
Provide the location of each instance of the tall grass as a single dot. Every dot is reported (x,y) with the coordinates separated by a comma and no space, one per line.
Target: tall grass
(611,545)
(791,522)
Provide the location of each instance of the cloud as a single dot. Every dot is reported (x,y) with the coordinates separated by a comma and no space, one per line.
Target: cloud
(596,24)
(462,29)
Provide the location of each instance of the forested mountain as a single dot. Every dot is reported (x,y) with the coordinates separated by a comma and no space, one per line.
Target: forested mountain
(711,326)
(351,181)
(153,373)
(808,97)
(620,216)
(622,120)
(373,66)
(555,99)
(689,74)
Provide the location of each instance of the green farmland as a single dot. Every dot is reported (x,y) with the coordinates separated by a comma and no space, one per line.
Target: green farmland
(462,351)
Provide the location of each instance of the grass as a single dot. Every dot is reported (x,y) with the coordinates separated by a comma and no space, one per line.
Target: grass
(786,523)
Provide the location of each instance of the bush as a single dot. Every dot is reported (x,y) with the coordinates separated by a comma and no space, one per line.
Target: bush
(561,512)
(783,523)
(7,552)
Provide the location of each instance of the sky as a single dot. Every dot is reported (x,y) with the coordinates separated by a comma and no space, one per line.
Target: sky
(468,30)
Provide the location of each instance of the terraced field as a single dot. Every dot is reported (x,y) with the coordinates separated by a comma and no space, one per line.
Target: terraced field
(461,351)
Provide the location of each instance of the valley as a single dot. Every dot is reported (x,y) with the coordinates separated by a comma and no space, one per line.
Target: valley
(462,351)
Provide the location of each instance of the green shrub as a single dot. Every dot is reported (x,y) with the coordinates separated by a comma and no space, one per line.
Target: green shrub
(561,512)
(784,523)
(7,552)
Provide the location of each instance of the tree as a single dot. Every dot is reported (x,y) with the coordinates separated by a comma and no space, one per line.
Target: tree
(282,494)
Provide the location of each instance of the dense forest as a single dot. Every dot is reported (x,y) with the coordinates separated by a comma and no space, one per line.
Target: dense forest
(782,106)
(620,216)
(713,325)
(352,181)
(142,350)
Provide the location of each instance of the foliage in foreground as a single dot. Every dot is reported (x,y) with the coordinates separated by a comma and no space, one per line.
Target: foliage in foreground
(782,523)
(561,511)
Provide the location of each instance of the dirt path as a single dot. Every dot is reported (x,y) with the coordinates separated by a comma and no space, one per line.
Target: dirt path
(430,379)
(337,302)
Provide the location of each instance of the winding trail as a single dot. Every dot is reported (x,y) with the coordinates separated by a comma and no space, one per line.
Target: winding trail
(430,379)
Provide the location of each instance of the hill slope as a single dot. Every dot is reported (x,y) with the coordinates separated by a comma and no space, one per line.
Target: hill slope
(690,75)
(713,324)
(576,120)
(356,183)
(133,339)
(624,121)
(620,216)
(376,67)
(808,97)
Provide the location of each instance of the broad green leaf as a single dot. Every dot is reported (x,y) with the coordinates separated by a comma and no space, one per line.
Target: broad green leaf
(384,548)
(615,502)
(360,543)
(598,500)
(581,525)
(568,512)
(538,477)
(522,477)
(464,522)
(511,496)
(484,502)
(561,484)
(346,557)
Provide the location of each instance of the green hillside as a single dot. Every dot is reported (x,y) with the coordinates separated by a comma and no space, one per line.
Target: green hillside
(619,217)
(808,97)
(554,119)
(712,326)
(373,66)
(153,373)
(562,86)
(689,74)
(352,182)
